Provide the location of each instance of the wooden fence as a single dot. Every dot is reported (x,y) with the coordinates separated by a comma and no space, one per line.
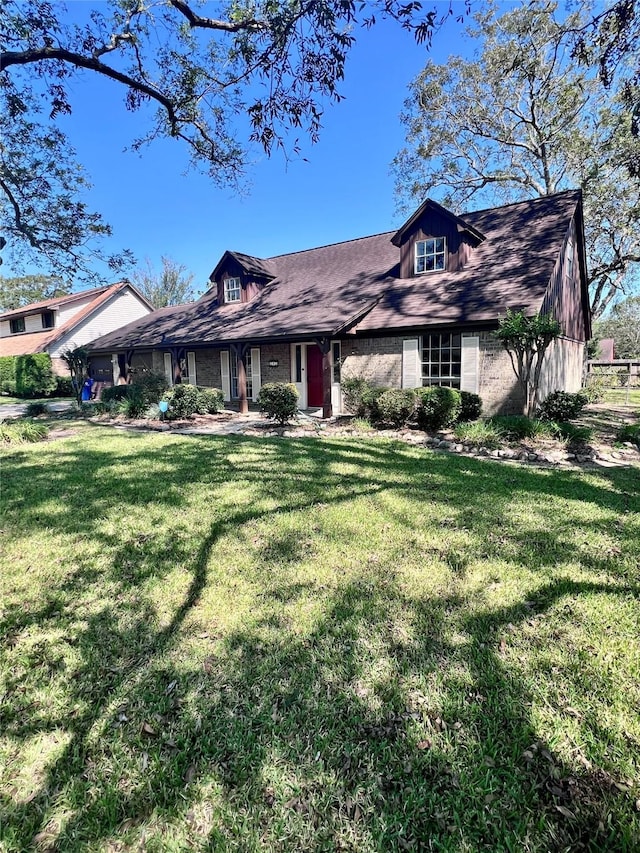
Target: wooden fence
(619,377)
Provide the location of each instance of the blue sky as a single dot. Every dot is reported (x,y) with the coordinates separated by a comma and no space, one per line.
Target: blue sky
(335,190)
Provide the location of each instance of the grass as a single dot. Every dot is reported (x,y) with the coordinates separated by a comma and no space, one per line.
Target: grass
(479,434)
(622,396)
(629,432)
(237,644)
(22,431)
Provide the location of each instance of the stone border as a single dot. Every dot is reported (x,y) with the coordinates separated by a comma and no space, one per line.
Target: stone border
(307,427)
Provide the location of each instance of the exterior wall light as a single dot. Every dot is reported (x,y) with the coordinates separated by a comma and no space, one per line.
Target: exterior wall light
(274,362)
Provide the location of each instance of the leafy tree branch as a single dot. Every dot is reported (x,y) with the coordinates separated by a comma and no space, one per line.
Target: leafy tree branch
(523,120)
(275,62)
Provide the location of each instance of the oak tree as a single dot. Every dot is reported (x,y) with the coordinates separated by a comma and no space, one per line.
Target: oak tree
(206,74)
(524,119)
(15,292)
(622,324)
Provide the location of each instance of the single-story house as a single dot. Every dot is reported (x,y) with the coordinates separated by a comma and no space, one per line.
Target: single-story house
(66,322)
(413,307)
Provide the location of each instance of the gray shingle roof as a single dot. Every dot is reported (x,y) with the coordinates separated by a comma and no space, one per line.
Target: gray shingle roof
(320,291)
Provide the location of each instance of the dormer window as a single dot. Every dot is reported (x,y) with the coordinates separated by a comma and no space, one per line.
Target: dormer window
(232,290)
(430,255)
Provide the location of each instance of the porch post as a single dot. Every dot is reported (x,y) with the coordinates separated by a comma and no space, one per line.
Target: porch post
(129,362)
(175,359)
(327,373)
(240,352)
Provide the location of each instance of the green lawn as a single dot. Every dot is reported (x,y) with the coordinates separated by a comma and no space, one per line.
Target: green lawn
(623,396)
(314,645)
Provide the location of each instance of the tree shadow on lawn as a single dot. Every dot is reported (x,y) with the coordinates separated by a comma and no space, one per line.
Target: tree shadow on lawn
(352,735)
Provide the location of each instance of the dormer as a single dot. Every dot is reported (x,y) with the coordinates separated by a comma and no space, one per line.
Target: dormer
(434,240)
(239,278)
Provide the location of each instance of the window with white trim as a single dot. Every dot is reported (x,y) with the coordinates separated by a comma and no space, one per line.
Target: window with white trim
(17,325)
(233,365)
(441,359)
(337,361)
(430,255)
(249,372)
(568,260)
(232,290)
(47,319)
(233,370)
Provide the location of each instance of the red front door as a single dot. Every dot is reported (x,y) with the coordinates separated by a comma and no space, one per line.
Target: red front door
(314,376)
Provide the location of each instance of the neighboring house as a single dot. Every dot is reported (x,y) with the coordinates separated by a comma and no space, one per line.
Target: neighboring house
(413,307)
(57,325)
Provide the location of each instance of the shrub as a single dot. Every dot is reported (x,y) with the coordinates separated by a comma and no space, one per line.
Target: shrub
(22,432)
(134,403)
(573,434)
(370,397)
(561,406)
(470,406)
(64,387)
(278,400)
(114,392)
(517,427)
(595,389)
(478,434)
(8,374)
(152,413)
(105,407)
(629,432)
(361,398)
(210,401)
(183,401)
(34,376)
(352,394)
(437,407)
(394,406)
(151,385)
(36,408)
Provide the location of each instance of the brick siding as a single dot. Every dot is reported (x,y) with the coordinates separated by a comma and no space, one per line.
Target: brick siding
(378,360)
(275,352)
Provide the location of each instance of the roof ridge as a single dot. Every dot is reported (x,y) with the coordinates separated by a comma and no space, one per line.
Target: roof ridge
(522,201)
(56,301)
(328,245)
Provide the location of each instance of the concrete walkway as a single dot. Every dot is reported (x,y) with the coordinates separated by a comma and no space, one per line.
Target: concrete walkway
(16,410)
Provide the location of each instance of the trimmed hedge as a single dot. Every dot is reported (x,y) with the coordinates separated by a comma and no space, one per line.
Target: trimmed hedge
(279,400)
(437,407)
(185,401)
(361,398)
(64,387)
(471,406)
(394,407)
(8,374)
(561,406)
(27,375)
(34,375)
